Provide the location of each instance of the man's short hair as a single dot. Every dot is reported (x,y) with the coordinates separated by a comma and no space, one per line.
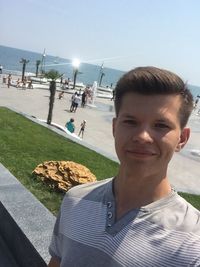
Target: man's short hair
(155,81)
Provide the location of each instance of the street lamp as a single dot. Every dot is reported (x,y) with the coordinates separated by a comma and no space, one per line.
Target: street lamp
(75,64)
(43,62)
(101,74)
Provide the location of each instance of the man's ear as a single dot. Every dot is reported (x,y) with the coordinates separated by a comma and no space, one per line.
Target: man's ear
(113,126)
(185,134)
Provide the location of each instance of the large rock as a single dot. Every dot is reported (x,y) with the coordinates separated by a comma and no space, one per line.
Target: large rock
(64,174)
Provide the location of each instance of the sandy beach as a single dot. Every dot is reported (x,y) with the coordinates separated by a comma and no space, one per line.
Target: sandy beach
(184,169)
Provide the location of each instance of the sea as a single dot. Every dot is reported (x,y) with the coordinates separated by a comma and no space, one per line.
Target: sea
(88,73)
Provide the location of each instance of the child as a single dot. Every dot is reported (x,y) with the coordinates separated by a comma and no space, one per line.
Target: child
(61,95)
(81,132)
(70,125)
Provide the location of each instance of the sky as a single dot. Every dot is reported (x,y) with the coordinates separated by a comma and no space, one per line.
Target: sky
(121,33)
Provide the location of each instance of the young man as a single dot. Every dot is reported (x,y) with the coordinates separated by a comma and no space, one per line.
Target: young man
(135,218)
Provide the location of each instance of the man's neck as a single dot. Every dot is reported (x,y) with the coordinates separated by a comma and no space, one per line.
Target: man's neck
(135,192)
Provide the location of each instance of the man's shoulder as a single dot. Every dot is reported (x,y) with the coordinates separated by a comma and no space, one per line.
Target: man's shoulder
(179,215)
(90,191)
(190,215)
(186,205)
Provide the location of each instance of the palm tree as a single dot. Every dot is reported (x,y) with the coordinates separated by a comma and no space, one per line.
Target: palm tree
(53,75)
(24,62)
(38,62)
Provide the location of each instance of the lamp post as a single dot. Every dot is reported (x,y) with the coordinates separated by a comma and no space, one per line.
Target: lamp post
(101,74)
(75,64)
(43,62)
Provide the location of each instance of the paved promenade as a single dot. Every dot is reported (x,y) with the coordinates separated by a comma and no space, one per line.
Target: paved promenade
(184,169)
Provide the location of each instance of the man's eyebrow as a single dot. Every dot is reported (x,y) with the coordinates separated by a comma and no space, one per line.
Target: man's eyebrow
(164,120)
(161,119)
(128,116)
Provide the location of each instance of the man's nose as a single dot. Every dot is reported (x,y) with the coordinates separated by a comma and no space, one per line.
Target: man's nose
(143,135)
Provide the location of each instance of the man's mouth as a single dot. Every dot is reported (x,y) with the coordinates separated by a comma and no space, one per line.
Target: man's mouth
(141,152)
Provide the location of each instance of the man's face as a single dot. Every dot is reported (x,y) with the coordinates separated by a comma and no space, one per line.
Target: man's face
(147,132)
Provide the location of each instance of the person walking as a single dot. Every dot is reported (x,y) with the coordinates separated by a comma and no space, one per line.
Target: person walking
(136,218)
(77,101)
(9,80)
(83,99)
(73,102)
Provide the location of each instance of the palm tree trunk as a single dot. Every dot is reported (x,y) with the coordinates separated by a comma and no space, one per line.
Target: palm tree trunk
(37,67)
(102,74)
(23,70)
(36,73)
(52,89)
(75,76)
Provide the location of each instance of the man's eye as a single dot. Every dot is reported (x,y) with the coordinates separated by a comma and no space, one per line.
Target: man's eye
(132,122)
(161,125)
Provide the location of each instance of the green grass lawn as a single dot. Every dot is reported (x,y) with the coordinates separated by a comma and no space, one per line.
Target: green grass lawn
(25,144)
